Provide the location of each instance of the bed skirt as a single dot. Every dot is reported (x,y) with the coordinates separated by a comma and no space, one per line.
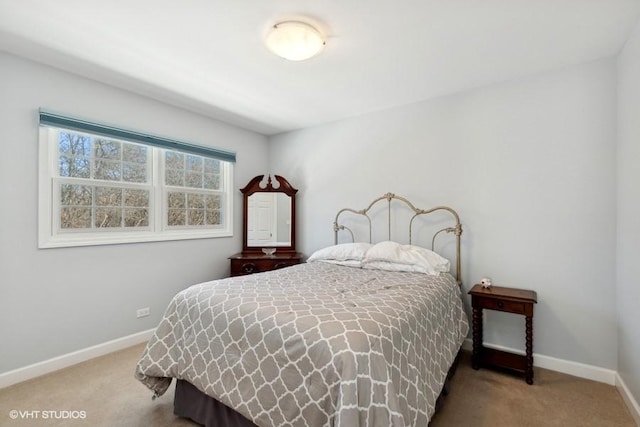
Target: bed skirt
(191,403)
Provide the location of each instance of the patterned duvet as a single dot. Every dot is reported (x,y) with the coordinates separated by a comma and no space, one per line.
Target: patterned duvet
(313,345)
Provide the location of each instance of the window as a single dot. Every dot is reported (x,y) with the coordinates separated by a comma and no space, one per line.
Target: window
(102,185)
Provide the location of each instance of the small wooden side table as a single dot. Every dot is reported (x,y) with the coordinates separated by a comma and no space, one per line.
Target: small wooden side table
(509,300)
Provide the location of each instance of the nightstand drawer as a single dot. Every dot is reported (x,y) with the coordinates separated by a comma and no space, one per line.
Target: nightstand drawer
(501,305)
(258,263)
(243,267)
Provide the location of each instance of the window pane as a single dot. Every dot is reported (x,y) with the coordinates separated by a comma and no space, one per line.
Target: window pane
(136,198)
(193,180)
(136,218)
(75,218)
(134,153)
(211,166)
(108,170)
(194,163)
(74,155)
(176,217)
(195,201)
(73,144)
(174,160)
(211,181)
(213,217)
(174,177)
(133,172)
(75,195)
(106,196)
(106,149)
(177,200)
(108,217)
(196,216)
(213,205)
(75,167)
(213,202)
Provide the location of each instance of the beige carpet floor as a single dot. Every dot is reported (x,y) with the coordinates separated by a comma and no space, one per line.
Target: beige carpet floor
(103,392)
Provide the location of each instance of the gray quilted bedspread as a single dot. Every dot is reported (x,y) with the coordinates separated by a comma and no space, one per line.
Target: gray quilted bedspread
(313,345)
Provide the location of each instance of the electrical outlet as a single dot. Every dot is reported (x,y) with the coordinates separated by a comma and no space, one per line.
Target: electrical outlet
(142,312)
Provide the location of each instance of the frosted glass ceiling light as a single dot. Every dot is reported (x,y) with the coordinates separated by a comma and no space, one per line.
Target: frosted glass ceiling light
(294,40)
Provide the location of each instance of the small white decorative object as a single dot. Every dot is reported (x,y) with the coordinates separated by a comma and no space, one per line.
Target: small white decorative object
(485,282)
(269,251)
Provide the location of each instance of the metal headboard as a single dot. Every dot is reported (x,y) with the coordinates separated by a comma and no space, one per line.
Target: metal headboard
(389,197)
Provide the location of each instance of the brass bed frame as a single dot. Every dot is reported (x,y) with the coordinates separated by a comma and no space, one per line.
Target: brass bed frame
(456,229)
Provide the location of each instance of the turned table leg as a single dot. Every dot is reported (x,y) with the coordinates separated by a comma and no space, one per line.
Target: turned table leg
(477,337)
(529,345)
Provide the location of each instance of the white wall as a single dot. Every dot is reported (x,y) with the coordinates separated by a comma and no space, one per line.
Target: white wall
(530,167)
(55,301)
(628,249)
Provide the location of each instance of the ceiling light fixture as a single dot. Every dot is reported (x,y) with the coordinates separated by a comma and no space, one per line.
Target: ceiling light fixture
(295,40)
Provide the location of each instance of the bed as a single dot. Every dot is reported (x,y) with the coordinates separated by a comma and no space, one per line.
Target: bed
(361,334)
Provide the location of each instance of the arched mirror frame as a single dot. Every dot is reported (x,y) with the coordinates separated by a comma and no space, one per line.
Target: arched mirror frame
(254,187)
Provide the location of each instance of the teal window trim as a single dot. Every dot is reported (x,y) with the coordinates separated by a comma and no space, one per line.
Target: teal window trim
(50,119)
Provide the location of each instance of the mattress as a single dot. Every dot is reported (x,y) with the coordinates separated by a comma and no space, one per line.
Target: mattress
(314,344)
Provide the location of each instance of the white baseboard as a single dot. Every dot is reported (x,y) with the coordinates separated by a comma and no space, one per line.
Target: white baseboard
(590,372)
(66,360)
(632,404)
(581,370)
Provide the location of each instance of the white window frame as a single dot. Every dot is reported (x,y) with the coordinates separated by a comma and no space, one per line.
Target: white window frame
(49,235)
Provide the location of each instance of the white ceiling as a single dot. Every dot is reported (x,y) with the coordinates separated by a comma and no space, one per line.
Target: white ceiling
(209,56)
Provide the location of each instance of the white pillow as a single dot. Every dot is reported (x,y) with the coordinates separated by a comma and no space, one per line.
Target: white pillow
(393,256)
(347,262)
(341,252)
(394,266)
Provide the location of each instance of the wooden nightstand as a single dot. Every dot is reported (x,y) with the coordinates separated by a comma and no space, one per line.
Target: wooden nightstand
(509,300)
(249,263)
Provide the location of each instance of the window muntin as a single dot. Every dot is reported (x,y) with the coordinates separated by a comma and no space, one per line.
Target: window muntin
(99,190)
